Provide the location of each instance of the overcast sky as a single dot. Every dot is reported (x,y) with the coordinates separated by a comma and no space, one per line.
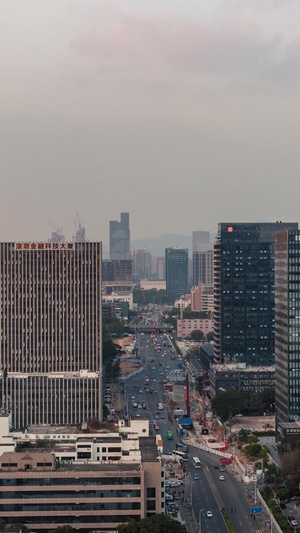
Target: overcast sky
(184,113)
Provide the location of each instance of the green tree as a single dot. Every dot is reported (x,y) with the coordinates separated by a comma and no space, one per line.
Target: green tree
(273,475)
(243,435)
(210,336)
(227,404)
(197,335)
(253,450)
(63,529)
(158,523)
(19,527)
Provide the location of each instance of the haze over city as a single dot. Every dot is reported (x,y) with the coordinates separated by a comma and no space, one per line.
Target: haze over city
(182,113)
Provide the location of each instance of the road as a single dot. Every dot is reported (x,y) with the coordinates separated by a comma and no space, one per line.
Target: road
(208,493)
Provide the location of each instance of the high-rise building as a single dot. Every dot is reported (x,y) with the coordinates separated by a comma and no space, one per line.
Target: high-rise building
(119,238)
(158,267)
(176,272)
(203,267)
(141,264)
(201,241)
(117,285)
(51,337)
(287,325)
(244,281)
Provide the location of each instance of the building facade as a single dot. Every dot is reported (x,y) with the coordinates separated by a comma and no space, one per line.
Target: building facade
(93,482)
(176,272)
(201,241)
(203,267)
(239,377)
(141,264)
(148,285)
(244,316)
(117,284)
(202,298)
(51,335)
(185,326)
(119,238)
(287,325)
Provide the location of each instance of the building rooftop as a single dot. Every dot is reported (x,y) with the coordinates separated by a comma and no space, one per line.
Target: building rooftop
(114,468)
(148,449)
(241,367)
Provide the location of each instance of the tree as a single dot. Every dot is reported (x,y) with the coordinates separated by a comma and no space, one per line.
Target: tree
(63,529)
(227,404)
(19,527)
(197,335)
(210,336)
(154,524)
(253,450)
(273,475)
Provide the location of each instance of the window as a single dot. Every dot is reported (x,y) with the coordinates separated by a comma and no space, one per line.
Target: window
(151,505)
(151,492)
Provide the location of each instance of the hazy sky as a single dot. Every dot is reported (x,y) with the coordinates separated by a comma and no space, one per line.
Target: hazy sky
(184,113)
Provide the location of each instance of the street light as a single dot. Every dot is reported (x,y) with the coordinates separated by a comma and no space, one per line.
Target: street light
(201,511)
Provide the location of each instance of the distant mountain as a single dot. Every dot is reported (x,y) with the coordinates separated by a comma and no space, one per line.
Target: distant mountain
(157,245)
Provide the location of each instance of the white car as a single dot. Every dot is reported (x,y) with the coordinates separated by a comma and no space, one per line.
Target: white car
(222,478)
(209,514)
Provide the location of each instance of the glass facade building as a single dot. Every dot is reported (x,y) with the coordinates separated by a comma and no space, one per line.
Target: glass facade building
(244,286)
(176,272)
(119,238)
(287,325)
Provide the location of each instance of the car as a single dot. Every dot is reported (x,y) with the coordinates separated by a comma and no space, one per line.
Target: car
(209,514)
(196,476)
(146,390)
(154,380)
(222,469)
(162,416)
(216,467)
(175,484)
(222,478)
(140,391)
(167,482)
(144,406)
(294,521)
(140,406)
(135,386)
(133,397)
(282,506)
(168,452)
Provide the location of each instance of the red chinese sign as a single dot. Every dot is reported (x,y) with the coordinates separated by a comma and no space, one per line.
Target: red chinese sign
(44,246)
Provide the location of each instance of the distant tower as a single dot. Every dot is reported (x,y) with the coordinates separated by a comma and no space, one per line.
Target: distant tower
(176,272)
(119,238)
(57,235)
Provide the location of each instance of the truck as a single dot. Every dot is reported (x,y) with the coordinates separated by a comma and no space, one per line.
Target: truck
(178,412)
(170,435)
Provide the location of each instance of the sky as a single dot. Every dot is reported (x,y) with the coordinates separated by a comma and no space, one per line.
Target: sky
(185,114)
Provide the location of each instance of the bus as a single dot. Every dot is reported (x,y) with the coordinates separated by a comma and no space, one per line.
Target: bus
(182,455)
(135,405)
(160,407)
(196,462)
(170,435)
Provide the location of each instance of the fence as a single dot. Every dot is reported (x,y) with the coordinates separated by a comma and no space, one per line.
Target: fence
(275,527)
(125,378)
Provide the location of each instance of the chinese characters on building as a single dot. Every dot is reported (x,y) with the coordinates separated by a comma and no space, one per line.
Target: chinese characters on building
(44,246)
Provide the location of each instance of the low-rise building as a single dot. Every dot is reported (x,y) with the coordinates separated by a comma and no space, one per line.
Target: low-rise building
(185,326)
(239,377)
(183,302)
(91,481)
(148,285)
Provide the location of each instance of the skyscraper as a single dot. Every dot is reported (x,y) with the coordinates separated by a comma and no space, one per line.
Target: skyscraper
(203,267)
(141,264)
(119,238)
(201,241)
(244,292)
(51,336)
(287,325)
(176,272)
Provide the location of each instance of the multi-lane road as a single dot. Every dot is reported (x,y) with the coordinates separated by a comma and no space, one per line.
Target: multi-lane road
(209,493)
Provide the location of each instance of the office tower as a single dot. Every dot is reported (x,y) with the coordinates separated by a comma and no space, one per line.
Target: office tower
(117,285)
(119,238)
(287,325)
(141,264)
(176,272)
(51,338)
(158,267)
(203,267)
(201,241)
(244,292)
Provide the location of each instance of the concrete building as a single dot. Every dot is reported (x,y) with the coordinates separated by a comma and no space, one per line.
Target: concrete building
(141,264)
(187,325)
(240,378)
(201,241)
(148,285)
(117,284)
(176,272)
(202,298)
(203,267)
(119,238)
(91,481)
(244,285)
(183,303)
(51,334)
(158,268)
(287,327)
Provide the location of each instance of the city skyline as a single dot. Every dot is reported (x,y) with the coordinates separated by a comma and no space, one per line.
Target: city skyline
(163,104)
